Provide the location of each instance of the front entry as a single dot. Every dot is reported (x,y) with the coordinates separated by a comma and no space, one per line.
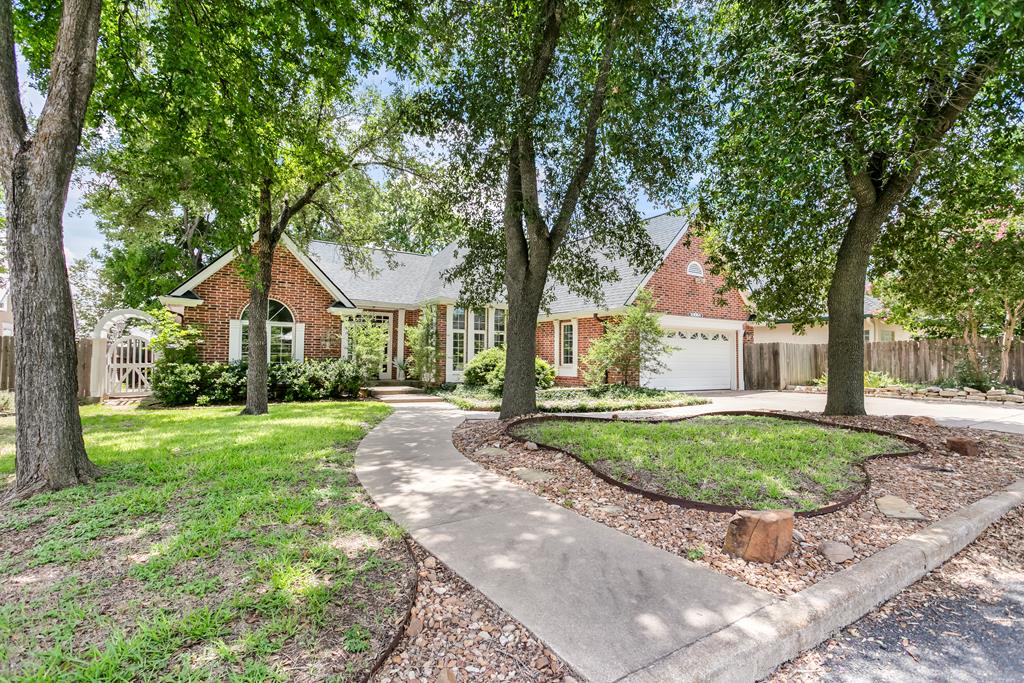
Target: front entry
(383,319)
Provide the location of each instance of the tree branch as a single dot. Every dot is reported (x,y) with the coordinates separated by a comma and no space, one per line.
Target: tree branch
(72,74)
(589,156)
(13,126)
(512,215)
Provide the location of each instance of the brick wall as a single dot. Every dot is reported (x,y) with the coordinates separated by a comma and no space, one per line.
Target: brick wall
(680,294)
(225,294)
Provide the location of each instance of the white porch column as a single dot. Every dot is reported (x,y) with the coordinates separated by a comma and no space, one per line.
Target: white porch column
(400,352)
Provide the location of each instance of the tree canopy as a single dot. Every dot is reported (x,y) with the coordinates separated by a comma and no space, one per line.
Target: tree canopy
(554,119)
(830,113)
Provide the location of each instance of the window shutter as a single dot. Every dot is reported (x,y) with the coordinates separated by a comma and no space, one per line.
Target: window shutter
(298,340)
(234,340)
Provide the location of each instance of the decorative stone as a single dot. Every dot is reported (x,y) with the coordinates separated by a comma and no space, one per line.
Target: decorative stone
(948,393)
(964,446)
(923,421)
(531,475)
(492,452)
(934,390)
(530,446)
(760,535)
(415,627)
(996,392)
(897,508)
(1015,398)
(836,552)
(611,509)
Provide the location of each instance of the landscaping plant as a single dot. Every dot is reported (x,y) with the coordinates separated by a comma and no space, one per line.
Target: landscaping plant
(366,344)
(422,341)
(631,346)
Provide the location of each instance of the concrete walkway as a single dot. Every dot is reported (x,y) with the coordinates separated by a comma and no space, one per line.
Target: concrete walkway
(607,603)
(993,416)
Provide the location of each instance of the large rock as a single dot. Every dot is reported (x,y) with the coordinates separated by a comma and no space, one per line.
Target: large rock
(897,508)
(760,535)
(923,421)
(964,446)
(948,393)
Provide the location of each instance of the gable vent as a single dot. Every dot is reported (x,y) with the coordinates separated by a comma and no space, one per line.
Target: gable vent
(695,269)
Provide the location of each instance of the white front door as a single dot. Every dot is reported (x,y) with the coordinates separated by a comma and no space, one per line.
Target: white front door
(700,359)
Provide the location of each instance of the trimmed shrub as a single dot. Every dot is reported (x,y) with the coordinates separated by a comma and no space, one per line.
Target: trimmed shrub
(482,365)
(176,384)
(544,374)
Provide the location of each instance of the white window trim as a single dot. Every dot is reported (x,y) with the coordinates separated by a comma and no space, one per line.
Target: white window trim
(237,328)
(567,370)
(390,352)
(490,325)
(697,272)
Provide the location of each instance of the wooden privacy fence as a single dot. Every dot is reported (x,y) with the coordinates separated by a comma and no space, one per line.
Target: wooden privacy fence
(82,364)
(778,365)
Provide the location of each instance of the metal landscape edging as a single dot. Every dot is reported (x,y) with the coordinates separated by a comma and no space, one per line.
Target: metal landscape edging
(712,507)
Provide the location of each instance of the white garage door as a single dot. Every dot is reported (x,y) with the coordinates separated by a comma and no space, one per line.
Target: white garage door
(701,359)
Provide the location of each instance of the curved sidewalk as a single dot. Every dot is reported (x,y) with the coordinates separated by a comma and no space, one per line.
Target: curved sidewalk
(608,604)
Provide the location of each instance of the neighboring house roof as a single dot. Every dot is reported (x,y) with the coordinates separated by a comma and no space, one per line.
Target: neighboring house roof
(872,306)
(398,278)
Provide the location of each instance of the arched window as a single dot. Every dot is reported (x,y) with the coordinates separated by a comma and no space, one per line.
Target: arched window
(695,269)
(280,333)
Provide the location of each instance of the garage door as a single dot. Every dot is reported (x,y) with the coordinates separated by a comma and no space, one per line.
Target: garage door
(701,359)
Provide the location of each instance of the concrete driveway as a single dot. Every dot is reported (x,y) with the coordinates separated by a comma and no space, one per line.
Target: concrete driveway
(996,417)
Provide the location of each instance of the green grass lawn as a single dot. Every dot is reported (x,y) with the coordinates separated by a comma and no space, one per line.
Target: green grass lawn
(573,400)
(751,462)
(214,547)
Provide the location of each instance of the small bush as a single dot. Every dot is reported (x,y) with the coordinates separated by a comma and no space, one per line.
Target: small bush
(544,375)
(6,401)
(873,379)
(176,384)
(482,365)
(976,375)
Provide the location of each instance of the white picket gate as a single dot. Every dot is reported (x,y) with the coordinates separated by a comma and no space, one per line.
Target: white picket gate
(129,367)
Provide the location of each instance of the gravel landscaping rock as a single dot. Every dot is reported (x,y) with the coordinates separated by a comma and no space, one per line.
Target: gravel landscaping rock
(932,480)
(455,634)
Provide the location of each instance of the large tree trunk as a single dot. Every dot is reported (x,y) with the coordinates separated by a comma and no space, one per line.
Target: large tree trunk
(50,453)
(259,299)
(846,316)
(519,396)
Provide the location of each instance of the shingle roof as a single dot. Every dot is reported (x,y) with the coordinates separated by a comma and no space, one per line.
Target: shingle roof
(405,278)
(663,230)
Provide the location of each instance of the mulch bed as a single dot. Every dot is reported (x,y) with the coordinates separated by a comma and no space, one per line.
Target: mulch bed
(456,634)
(936,481)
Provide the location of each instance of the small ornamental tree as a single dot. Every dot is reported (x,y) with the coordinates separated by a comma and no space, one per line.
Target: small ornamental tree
(631,346)
(367,344)
(422,341)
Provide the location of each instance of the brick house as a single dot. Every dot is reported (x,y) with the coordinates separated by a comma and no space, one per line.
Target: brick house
(314,293)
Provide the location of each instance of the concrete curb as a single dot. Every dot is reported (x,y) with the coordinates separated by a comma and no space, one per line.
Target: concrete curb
(751,648)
